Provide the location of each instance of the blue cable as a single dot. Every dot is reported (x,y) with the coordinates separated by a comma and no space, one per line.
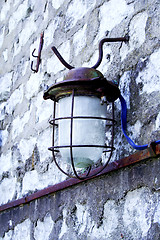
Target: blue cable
(124,126)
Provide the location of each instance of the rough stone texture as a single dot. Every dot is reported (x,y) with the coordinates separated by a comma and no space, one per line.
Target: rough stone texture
(123,205)
(120,205)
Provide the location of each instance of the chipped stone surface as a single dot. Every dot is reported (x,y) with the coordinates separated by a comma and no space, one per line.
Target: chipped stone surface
(21,231)
(130,210)
(7,190)
(112,13)
(149,77)
(43,228)
(122,204)
(136,33)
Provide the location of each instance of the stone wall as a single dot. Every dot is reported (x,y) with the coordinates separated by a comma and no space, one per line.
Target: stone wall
(75,28)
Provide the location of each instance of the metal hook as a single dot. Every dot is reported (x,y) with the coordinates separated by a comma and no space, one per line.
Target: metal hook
(33,53)
(39,54)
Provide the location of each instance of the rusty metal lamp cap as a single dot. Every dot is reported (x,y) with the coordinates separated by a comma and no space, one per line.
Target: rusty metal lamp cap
(85,81)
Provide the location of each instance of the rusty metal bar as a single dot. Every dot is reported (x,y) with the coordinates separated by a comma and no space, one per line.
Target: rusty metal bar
(71,136)
(39,54)
(61,59)
(53,140)
(124,162)
(120,39)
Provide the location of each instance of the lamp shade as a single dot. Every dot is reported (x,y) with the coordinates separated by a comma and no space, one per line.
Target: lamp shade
(86,130)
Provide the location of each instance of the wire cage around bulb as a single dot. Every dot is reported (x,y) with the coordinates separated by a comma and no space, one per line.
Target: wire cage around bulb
(92,84)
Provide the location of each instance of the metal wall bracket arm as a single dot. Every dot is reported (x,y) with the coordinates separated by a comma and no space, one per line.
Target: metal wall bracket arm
(121,39)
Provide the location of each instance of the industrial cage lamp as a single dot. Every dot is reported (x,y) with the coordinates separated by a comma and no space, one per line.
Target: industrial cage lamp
(80,113)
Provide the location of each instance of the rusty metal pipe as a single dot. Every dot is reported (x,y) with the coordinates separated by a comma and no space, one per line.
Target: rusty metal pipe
(121,39)
(61,59)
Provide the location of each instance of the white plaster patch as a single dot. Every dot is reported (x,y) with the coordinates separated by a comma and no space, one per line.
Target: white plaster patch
(4,135)
(124,87)
(79,40)
(76,11)
(25,67)
(16,2)
(33,181)
(49,32)
(43,229)
(2,110)
(137,30)
(158,121)
(27,31)
(150,76)
(5,55)
(138,211)
(25,34)
(5,162)
(83,218)
(18,15)
(22,231)
(64,228)
(8,235)
(110,222)
(7,189)
(26,147)
(56,4)
(43,142)
(157,214)
(44,109)
(4,10)
(5,85)
(52,176)
(54,65)
(136,129)
(15,98)
(18,190)
(18,124)
(32,86)
(136,34)
(2,31)
(111,14)
(30,182)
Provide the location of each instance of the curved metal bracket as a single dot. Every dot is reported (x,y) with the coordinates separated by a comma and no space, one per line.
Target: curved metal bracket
(121,39)
(54,49)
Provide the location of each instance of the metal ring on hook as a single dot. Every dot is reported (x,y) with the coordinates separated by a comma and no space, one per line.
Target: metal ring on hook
(54,49)
(122,39)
